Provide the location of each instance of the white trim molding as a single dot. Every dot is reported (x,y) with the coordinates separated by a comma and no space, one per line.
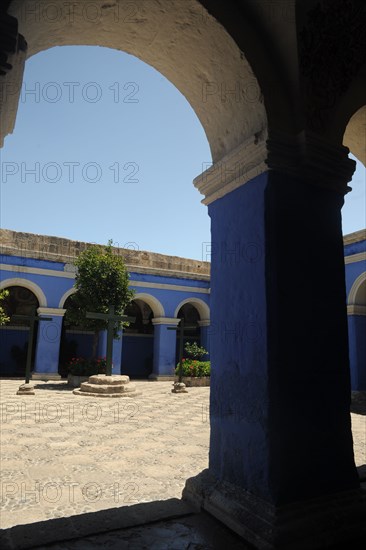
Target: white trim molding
(359,257)
(68,293)
(204,323)
(37,271)
(353,297)
(19,281)
(356,310)
(52,311)
(241,165)
(200,305)
(167,286)
(156,306)
(165,321)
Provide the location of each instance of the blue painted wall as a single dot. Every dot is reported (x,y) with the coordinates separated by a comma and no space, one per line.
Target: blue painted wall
(137,355)
(9,339)
(357,351)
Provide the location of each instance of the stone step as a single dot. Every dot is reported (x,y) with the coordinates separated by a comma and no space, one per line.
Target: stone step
(107,388)
(115,379)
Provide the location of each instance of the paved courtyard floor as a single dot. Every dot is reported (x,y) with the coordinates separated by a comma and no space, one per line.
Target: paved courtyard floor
(63,455)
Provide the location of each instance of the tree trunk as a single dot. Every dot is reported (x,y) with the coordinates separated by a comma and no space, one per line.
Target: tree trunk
(95,345)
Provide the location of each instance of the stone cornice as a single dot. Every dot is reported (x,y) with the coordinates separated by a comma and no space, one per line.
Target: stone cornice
(239,166)
(204,323)
(58,249)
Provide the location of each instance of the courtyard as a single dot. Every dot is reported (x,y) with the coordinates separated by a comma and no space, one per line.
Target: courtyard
(63,455)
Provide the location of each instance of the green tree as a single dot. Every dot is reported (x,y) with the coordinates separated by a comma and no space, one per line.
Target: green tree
(101,281)
(3,317)
(195,351)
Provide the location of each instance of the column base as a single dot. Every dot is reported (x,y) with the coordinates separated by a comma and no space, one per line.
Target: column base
(317,523)
(45,376)
(162,377)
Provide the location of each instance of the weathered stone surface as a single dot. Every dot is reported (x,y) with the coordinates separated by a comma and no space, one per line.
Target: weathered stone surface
(65,250)
(315,523)
(115,379)
(179,387)
(196,381)
(25,389)
(107,388)
(100,385)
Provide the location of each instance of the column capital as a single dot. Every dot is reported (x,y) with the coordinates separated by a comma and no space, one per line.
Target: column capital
(355,309)
(165,321)
(204,323)
(240,165)
(312,159)
(51,311)
(305,156)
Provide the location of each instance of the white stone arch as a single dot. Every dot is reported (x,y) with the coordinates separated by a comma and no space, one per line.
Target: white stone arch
(156,306)
(179,39)
(18,281)
(355,136)
(65,296)
(357,294)
(200,305)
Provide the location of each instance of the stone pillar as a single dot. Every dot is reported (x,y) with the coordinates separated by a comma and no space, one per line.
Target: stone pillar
(117,350)
(357,346)
(205,336)
(48,344)
(165,342)
(281,465)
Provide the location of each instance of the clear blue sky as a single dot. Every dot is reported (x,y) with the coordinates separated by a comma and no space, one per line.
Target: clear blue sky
(116,150)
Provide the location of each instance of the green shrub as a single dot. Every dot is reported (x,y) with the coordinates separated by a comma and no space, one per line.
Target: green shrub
(79,366)
(193,367)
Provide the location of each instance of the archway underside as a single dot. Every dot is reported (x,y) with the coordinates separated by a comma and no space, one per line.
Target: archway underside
(181,40)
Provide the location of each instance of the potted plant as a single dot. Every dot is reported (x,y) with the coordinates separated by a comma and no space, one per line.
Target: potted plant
(195,371)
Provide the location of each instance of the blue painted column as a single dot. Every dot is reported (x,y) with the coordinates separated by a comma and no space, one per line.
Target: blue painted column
(357,346)
(280,380)
(165,342)
(117,350)
(48,344)
(280,386)
(205,336)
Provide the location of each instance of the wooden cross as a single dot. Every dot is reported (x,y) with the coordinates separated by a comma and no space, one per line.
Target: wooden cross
(111,318)
(181,328)
(32,318)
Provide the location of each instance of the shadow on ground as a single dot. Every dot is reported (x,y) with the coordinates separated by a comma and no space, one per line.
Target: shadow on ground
(49,386)
(358,403)
(169,524)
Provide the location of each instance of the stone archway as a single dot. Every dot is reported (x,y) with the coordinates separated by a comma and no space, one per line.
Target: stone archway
(138,340)
(181,40)
(14,339)
(277,197)
(355,135)
(191,315)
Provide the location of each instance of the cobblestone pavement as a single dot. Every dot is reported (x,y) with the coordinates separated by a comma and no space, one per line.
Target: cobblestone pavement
(63,455)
